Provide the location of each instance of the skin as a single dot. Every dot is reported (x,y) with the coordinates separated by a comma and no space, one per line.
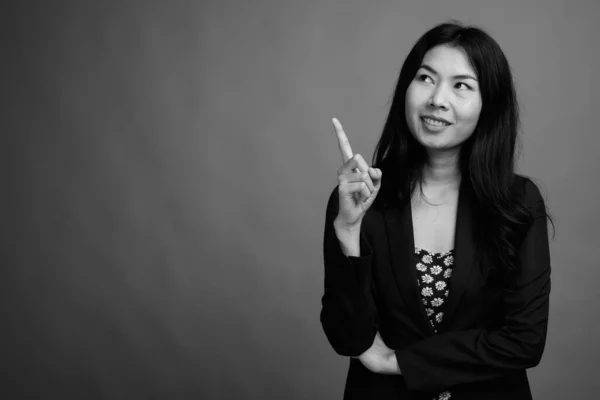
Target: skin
(358,185)
(446,87)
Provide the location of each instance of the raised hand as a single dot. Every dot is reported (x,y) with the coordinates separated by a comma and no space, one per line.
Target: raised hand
(358,184)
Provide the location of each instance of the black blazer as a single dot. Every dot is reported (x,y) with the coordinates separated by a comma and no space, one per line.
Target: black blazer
(491,332)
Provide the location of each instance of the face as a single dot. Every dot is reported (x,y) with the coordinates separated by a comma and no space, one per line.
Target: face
(443,101)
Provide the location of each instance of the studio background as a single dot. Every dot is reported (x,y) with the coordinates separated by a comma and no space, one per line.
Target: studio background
(165,172)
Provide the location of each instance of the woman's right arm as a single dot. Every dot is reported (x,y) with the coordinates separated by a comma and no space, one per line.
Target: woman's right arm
(348,313)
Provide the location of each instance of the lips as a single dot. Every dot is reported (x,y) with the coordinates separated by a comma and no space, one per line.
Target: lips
(435,121)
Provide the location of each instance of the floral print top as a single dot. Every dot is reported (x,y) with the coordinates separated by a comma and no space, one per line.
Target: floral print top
(434,271)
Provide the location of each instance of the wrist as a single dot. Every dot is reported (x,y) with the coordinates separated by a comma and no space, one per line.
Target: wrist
(348,238)
(345,230)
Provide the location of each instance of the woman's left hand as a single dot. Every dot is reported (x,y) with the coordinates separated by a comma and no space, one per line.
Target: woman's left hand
(379,358)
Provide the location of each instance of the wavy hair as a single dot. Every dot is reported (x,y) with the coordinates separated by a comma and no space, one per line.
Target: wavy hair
(486,158)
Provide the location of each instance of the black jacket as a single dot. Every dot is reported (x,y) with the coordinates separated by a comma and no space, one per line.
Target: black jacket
(491,332)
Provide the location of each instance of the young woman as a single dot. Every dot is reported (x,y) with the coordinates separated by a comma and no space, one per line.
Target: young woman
(437,265)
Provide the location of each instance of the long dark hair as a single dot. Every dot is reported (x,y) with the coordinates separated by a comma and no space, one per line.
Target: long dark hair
(486,159)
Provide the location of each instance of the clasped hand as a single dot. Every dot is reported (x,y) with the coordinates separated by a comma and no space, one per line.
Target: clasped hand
(379,358)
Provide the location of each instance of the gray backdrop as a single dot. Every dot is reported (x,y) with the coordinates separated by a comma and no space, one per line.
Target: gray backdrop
(165,171)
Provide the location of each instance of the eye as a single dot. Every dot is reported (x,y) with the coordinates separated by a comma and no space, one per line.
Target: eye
(462,85)
(424,78)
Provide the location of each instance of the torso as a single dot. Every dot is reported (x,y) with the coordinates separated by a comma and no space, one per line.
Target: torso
(434,225)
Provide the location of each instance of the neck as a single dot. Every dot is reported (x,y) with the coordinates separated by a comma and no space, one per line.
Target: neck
(441,168)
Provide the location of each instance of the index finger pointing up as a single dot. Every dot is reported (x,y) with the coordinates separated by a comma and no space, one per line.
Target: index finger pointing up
(345,148)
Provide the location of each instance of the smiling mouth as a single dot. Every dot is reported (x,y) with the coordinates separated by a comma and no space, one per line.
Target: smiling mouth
(435,122)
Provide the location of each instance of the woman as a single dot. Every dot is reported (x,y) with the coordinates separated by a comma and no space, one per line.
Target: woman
(437,265)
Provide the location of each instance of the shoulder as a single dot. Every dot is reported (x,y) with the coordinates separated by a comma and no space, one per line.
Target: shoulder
(528,188)
(529,193)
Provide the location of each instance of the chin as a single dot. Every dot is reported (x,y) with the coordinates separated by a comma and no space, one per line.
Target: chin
(431,142)
(439,145)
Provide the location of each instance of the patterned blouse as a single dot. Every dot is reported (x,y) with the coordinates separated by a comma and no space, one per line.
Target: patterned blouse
(434,271)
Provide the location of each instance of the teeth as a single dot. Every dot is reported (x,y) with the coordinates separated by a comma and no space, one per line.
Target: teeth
(434,122)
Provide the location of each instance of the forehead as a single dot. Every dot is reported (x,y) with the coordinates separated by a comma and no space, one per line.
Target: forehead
(449,60)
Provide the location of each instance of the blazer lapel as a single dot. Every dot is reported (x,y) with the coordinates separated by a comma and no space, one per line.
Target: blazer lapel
(401,241)
(402,249)
(464,252)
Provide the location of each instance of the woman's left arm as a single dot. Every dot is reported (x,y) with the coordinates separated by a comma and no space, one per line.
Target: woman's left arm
(448,359)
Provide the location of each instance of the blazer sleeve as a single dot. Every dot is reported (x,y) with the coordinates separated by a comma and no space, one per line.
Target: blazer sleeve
(452,358)
(348,313)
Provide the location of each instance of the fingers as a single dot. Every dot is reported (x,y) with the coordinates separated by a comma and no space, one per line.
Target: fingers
(343,143)
(358,164)
(356,170)
(361,188)
(361,163)
(364,184)
(356,177)
(354,164)
(375,174)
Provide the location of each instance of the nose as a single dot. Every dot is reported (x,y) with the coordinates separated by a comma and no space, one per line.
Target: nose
(439,97)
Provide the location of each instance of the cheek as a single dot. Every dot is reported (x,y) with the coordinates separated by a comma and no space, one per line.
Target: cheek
(411,109)
(413,100)
(470,110)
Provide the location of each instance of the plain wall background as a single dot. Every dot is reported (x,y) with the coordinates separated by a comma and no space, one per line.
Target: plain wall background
(165,172)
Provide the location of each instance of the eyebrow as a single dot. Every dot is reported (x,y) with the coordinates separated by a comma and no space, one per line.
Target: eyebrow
(433,71)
